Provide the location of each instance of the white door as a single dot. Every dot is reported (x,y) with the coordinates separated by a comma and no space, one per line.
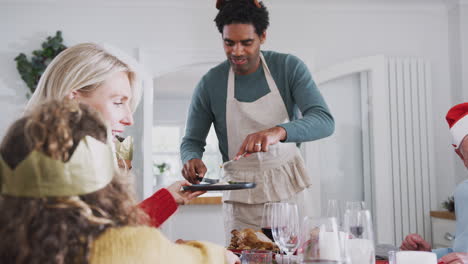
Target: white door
(336,162)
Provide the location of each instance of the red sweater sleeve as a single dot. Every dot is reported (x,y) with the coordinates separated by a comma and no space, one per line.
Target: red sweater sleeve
(159,207)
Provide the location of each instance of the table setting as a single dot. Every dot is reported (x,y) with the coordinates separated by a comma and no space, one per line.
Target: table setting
(339,237)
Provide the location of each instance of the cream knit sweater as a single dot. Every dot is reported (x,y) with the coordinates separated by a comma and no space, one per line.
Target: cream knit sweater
(143,245)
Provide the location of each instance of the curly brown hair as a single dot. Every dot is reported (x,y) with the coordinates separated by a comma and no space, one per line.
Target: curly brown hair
(60,229)
(242,12)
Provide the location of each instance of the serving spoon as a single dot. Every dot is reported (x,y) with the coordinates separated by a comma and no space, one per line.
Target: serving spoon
(213,181)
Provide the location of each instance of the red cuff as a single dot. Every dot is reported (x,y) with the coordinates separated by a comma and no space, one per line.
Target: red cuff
(159,207)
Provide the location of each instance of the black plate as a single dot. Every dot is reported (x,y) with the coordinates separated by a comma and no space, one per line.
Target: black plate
(219,187)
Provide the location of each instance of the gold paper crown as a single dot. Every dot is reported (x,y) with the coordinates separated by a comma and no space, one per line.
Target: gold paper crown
(90,168)
(124,149)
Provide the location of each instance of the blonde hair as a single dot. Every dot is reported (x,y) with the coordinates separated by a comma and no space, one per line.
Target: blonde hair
(84,67)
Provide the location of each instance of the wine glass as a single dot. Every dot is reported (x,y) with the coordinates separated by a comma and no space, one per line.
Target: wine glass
(285,227)
(266,220)
(360,243)
(334,210)
(355,205)
(320,241)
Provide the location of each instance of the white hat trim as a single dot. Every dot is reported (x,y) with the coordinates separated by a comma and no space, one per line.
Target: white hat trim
(459,130)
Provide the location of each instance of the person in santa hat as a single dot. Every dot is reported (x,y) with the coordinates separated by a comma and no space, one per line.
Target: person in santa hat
(457,118)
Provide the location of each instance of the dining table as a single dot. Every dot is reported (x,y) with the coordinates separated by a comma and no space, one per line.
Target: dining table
(279,260)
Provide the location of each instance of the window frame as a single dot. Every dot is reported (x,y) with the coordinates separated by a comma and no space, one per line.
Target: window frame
(181,126)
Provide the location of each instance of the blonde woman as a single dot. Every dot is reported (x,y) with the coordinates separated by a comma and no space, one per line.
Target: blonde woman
(63,201)
(109,81)
(97,75)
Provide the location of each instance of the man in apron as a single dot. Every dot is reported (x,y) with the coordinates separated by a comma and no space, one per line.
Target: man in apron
(253,100)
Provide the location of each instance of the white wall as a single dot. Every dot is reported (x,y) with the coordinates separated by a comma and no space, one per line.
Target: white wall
(177,114)
(464,41)
(321,34)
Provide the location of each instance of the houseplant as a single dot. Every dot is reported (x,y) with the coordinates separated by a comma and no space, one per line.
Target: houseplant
(31,71)
(161,171)
(449,204)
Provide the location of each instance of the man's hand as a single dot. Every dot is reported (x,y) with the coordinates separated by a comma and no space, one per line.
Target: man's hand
(462,151)
(259,142)
(182,197)
(454,258)
(415,242)
(193,169)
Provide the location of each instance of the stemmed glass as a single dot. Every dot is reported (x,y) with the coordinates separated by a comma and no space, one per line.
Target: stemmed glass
(285,227)
(266,220)
(334,210)
(360,243)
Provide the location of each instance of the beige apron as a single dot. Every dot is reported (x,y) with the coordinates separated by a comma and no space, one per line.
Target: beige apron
(279,173)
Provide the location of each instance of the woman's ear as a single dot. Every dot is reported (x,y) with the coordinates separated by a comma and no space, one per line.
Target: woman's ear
(72,95)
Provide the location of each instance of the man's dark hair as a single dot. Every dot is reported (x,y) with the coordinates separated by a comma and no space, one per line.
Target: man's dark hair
(242,12)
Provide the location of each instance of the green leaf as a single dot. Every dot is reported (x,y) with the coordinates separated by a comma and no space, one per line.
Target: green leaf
(31,70)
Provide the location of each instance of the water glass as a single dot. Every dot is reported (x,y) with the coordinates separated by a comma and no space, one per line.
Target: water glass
(320,242)
(360,247)
(256,257)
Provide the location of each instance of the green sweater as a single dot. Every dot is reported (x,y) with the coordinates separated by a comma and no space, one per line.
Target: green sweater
(295,84)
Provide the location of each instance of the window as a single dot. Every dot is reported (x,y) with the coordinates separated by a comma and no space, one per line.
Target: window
(166,144)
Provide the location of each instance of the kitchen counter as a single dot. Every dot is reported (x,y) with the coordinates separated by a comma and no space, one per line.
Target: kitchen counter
(208,198)
(443,215)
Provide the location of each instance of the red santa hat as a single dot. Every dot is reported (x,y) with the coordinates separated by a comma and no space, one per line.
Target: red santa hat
(457,118)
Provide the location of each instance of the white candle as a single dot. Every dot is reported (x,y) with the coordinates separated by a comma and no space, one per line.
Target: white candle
(361,251)
(410,257)
(329,245)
